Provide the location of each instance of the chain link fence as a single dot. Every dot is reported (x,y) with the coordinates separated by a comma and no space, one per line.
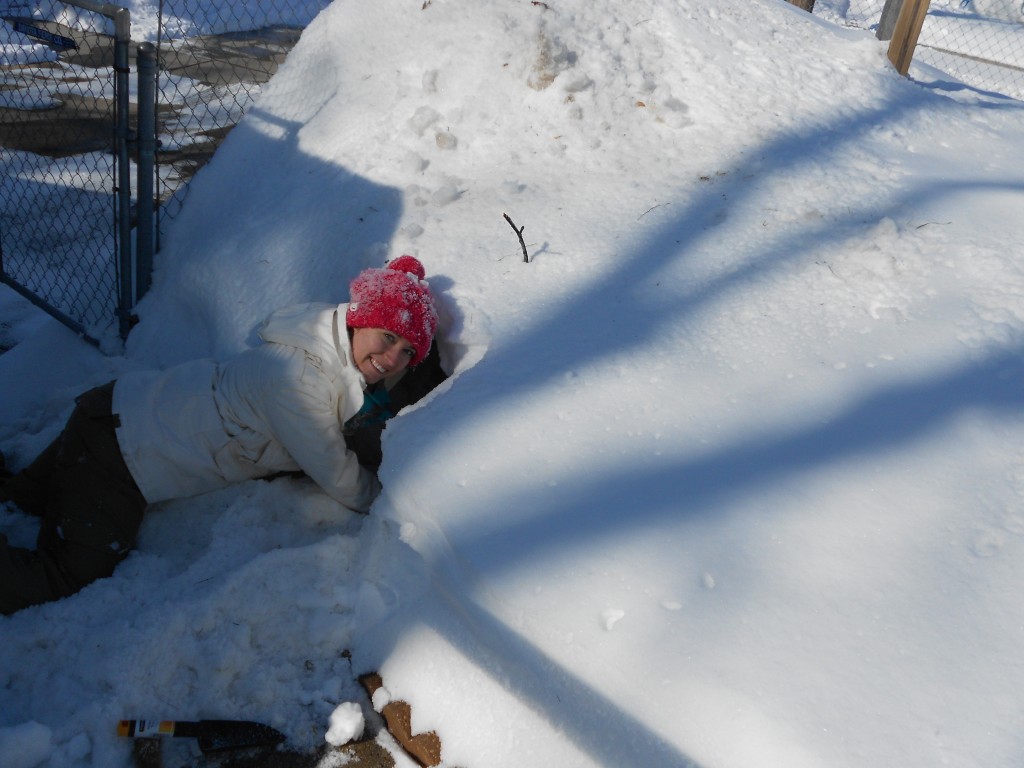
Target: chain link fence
(59,242)
(214,59)
(978,42)
(67,206)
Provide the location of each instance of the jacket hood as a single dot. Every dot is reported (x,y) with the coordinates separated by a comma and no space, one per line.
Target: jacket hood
(306,326)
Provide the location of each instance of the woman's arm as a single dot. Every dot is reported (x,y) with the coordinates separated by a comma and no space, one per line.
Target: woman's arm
(303,414)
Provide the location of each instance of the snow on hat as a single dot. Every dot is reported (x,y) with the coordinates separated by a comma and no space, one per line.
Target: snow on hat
(398,299)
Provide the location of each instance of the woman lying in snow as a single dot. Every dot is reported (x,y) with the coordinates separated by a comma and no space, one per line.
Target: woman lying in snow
(313,398)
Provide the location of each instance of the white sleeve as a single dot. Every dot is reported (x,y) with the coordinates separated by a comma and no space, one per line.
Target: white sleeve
(303,414)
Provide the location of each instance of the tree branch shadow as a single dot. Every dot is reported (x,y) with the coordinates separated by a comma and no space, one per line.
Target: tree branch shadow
(891,417)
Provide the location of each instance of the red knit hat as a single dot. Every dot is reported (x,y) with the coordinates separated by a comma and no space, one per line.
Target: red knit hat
(397,298)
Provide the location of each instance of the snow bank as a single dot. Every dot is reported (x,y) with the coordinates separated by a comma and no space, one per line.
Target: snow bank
(727,474)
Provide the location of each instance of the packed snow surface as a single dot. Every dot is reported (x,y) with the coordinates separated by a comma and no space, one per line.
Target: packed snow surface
(729,474)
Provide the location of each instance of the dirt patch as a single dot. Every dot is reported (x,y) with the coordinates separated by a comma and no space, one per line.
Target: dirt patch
(60,117)
(70,124)
(234,57)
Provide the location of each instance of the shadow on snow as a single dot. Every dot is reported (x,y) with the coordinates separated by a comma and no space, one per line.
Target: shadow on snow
(892,417)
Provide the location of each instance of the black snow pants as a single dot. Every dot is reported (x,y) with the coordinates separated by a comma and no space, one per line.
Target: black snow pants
(90,507)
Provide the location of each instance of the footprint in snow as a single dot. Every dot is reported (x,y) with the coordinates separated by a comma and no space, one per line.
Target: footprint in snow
(611,616)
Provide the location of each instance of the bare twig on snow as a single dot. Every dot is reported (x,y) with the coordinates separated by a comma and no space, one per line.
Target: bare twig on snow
(519,234)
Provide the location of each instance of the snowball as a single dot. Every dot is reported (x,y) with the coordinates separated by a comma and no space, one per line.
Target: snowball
(381,698)
(346,724)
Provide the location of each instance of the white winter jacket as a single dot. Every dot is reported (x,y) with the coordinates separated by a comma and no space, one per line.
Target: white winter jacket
(279,407)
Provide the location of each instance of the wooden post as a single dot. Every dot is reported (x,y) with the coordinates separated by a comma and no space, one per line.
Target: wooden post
(904,36)
(807,5)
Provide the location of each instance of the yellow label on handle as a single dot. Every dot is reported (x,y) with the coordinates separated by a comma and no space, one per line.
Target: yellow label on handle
(137,728)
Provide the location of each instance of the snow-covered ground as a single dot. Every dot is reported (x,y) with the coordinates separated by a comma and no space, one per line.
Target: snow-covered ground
(730,474)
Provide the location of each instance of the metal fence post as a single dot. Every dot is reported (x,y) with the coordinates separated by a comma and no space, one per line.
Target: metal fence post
(122,33)
(890,12)
(145,61)
(122,224)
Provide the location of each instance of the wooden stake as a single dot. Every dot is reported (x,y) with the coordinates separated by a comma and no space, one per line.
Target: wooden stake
(424,747)
(906,33)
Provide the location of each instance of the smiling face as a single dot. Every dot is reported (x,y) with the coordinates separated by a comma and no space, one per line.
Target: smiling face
(378,352)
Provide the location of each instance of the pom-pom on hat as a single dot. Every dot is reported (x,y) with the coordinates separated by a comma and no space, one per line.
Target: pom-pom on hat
(397,298)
